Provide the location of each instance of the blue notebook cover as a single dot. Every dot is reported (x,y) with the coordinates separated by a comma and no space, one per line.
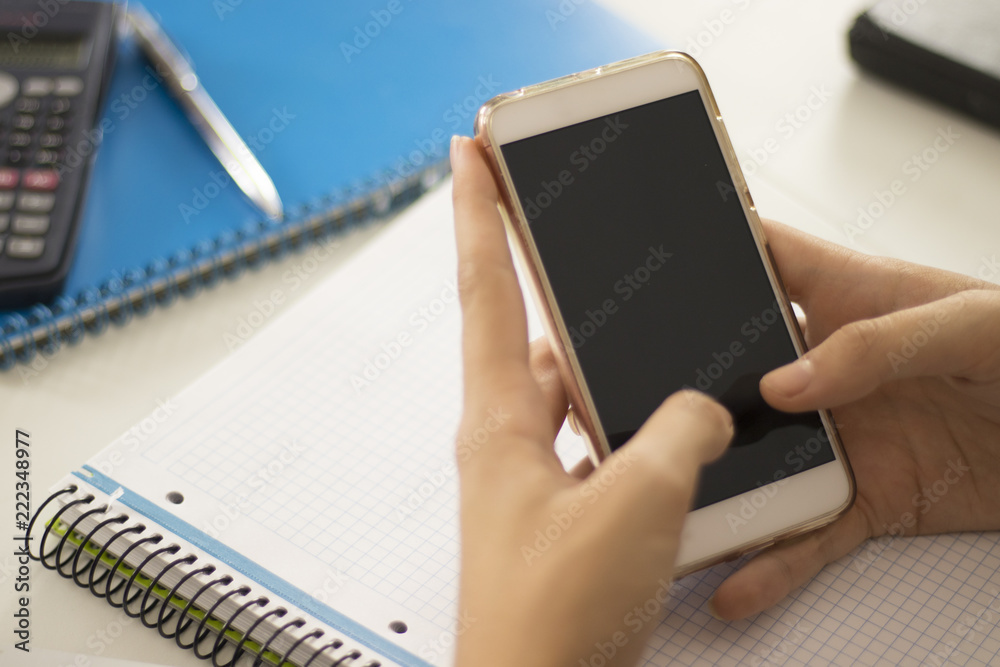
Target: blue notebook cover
(348,106)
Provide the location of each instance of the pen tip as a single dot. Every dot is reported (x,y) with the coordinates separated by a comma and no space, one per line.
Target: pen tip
(270,205)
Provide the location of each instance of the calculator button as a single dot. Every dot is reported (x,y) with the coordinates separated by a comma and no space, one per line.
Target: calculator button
(9,178)
(68,86)
(24,247)
(60,105)
(19,139)
(8,89)
(55,123)
(14,156)
(4,221)
(23,122)
(50,141)
(37,86)
(27,105)
(36,202)
(46,158)
(30,224)
(41,179)
(6,200)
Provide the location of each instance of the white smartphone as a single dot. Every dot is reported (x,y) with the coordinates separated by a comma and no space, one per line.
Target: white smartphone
(642,247)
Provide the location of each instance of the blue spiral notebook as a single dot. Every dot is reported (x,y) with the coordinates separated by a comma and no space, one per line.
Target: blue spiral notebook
(348,106)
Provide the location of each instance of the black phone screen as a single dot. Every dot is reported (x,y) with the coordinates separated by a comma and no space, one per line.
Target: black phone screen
(659,281)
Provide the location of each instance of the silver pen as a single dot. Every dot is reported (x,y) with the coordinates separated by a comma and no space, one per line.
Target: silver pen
(208,119)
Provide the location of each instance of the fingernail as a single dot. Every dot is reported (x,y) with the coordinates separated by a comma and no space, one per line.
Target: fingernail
(727,419)
(453,151)
(792,379)
(710,605)
(704,400)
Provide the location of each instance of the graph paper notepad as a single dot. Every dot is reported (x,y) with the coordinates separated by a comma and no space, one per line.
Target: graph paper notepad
(314,467)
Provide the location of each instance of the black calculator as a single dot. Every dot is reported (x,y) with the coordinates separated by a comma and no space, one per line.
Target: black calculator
(55,62)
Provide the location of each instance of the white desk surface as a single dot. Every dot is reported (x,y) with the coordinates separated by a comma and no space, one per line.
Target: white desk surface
(769,58)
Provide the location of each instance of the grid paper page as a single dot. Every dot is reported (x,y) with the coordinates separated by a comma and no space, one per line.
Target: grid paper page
(329,436)
(323,450)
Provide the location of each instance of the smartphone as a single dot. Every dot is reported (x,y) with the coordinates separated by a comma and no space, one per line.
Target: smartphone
(636,232)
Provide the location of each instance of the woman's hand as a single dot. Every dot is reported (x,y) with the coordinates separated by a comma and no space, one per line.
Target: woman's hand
(908,357)
(555,569)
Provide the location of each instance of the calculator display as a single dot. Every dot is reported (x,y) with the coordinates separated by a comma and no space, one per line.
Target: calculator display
(42,53)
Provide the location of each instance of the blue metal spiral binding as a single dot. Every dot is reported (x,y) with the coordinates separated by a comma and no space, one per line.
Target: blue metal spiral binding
(16,325)
(40,317)
(93,299)
(66,306)
(208,252)
(229,243)
(188,284)
(145,300)
(136,291)
(116,297)
(254,251)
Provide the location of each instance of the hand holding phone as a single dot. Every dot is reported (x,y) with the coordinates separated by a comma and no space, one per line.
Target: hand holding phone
(896,391)
(642,247)
(897,410)
(579,590)
(553,562)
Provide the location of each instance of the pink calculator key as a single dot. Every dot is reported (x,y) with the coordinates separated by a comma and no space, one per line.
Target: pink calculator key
(9,178)
(41,179)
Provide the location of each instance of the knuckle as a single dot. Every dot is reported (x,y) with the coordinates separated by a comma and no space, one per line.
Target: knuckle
(544,369)
(988,301)
(541,356)
(477,273)
(672,484)
(667,476)
(466,278)
(978,301)
(859,339)
(541,350)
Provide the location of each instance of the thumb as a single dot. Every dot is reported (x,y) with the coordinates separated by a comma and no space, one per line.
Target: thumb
(688,430)
(955,336)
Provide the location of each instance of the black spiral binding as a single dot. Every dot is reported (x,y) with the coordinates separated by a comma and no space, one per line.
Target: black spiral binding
(76,569)
(44,329)
(160,608)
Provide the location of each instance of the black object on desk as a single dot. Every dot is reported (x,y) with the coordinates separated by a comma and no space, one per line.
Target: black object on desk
(54,68)
(948,50)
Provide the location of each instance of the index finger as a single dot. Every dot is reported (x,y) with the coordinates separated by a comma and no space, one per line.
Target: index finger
(494,324)
(848,285)
(808,264)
